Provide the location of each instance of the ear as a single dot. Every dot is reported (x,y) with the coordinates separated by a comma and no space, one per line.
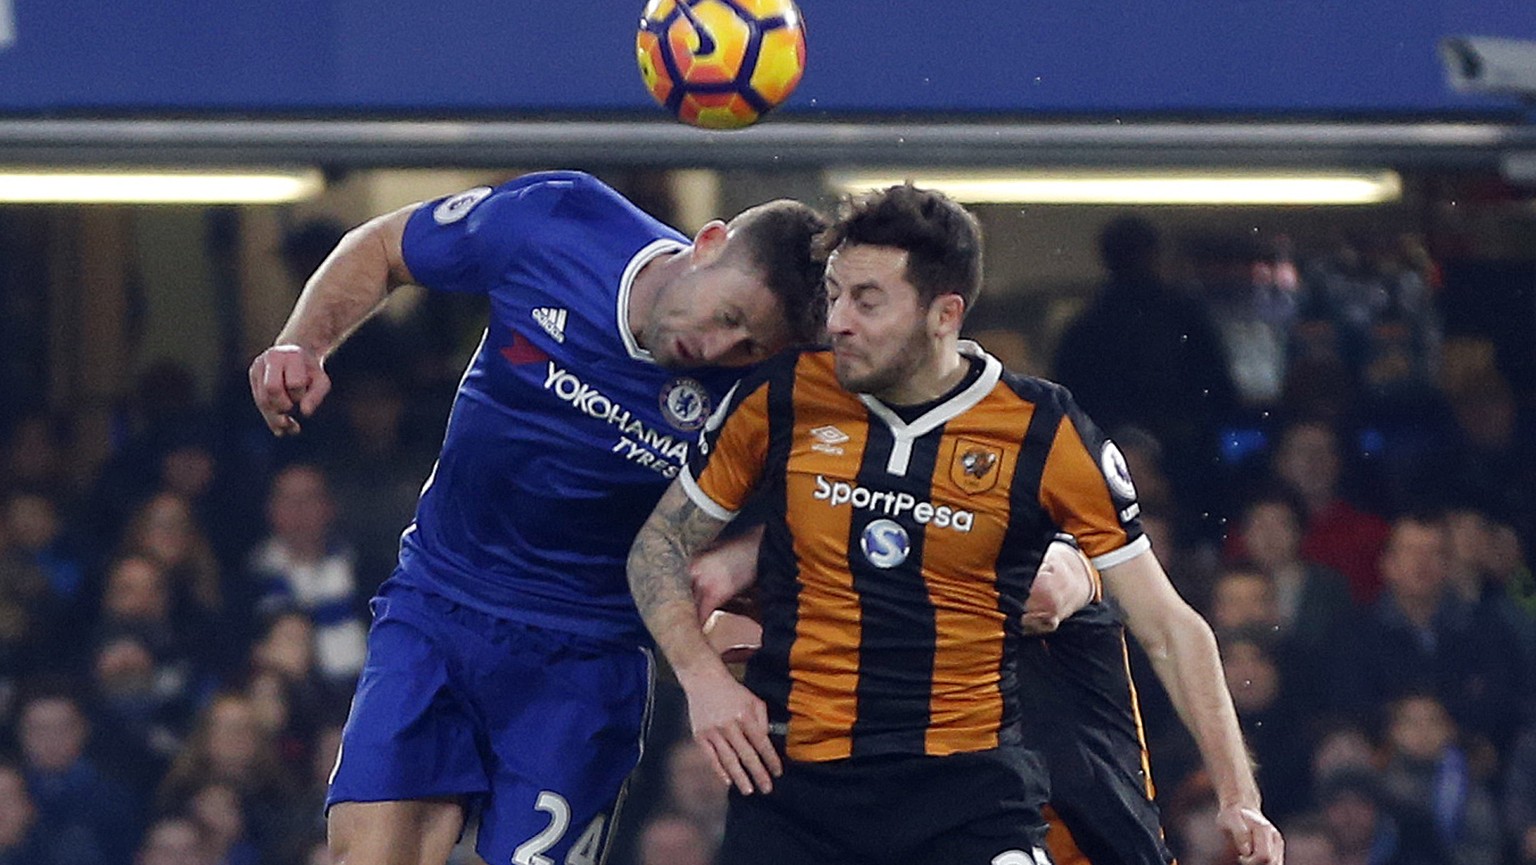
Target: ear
(946,314)
(709,243)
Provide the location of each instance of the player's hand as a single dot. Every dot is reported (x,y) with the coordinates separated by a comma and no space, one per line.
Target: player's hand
(732,725)
(1255,839)
(1063,585)
(733,636)
(285,378)
(724,571)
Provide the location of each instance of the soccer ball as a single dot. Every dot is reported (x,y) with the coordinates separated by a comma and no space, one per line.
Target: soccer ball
(720,64)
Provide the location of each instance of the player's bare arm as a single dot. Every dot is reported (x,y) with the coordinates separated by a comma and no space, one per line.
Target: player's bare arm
(1184,655)
(727,719)
(348,287)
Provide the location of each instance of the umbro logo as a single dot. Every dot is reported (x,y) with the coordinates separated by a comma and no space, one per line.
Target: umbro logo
(552,319)
(828,440)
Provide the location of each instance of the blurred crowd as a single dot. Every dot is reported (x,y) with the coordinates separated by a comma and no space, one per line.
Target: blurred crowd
(1334,459)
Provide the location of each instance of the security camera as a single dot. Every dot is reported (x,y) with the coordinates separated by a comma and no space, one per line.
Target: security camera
(1477,64)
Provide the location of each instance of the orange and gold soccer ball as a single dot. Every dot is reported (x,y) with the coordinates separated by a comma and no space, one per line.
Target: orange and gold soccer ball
(720,64)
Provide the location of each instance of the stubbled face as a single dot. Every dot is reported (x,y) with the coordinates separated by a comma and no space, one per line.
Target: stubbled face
(877,325)
(720,314)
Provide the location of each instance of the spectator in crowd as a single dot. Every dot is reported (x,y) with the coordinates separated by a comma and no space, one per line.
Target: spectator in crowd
(28,616)
(1366,281)
(377,467)
(1341,745)
(1420,637)
(1271,724)
(303,564)
(173,840)
(91,815)
(162,412)
(164,530)
(1492,448)
(673,839)
(1308,842)
(1194,833)
(1427,776)
(145,703)
(1507,566)
(1365,829)
(1143,355)
(1312,605)
(1312,601)
(1520,799)
(1251,316)
(217,810)
(1338,535)
(21,838)
(137,602)
(36,531)
(1243,596)
(35,457)
(229,746)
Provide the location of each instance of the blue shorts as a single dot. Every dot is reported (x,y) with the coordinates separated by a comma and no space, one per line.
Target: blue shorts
(537,730)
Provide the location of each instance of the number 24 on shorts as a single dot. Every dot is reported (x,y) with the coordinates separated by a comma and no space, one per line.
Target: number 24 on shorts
(585,851)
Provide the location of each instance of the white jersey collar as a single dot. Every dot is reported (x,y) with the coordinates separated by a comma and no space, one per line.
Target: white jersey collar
(626,282)
(905,433)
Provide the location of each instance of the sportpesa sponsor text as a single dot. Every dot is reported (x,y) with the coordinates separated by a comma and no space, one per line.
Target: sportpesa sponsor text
(892,504)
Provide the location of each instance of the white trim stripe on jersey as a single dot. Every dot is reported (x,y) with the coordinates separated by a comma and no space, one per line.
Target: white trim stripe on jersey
(627,282)
(1124,554)
(700,499)
(905,435)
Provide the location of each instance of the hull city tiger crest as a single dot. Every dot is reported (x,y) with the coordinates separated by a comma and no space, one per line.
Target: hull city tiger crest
(975,466)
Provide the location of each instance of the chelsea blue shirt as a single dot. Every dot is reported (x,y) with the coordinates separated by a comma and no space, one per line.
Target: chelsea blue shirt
(564,433)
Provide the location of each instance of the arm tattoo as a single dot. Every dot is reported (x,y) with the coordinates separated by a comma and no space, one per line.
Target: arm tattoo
(658,561)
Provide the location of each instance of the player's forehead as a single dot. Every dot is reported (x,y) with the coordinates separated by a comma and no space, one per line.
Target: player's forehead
(854,266)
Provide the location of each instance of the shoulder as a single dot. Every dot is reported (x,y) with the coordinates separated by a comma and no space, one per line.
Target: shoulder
(786,366)
(550,189)
(1036,390)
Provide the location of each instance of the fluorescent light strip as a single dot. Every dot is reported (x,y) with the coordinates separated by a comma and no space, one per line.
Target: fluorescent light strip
(109,186)
(1143,187)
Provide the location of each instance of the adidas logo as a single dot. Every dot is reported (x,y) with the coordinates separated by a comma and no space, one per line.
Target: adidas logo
(552,319)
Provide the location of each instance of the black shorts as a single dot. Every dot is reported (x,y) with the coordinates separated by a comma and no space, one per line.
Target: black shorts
(1099,815)
(961,809)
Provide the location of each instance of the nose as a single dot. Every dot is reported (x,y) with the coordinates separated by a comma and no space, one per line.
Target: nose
(838,319)
(724,346)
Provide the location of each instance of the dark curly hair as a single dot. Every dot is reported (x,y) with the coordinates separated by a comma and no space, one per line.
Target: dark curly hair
(941,238)
(779,238)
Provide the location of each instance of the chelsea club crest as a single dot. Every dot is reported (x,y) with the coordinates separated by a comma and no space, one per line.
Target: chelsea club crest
(685,404)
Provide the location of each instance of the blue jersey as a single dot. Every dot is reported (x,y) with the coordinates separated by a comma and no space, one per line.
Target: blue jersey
(563,433)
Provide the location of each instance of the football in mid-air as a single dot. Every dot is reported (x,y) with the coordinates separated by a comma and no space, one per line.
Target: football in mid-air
(720,64)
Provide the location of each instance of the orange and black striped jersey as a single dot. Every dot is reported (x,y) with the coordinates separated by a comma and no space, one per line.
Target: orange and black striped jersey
(897,555)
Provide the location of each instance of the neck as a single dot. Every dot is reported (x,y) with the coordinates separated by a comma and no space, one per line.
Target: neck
(933,378)
(646,288)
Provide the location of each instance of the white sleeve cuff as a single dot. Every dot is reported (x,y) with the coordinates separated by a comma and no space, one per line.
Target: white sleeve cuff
(702,501)
(1124,554)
